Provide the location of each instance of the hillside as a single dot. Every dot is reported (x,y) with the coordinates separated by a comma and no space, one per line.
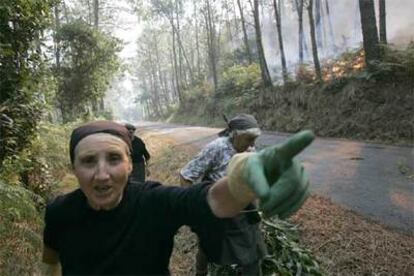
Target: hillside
(352,102)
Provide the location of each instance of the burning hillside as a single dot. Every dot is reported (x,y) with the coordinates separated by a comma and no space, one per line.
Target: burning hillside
(347,65)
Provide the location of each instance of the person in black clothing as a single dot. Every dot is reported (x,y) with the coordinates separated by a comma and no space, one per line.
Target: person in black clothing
(139,155)
(114,225)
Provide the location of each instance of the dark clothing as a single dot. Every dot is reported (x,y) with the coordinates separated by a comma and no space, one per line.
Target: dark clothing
(201,262)
(138,172)
(139,152)
(234,240)
(253,269)
(135,238)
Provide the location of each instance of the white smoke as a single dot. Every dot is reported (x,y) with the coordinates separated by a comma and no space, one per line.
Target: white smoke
(346,27)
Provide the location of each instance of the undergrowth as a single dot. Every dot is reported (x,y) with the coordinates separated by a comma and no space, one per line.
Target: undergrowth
(27,181)
(20,230)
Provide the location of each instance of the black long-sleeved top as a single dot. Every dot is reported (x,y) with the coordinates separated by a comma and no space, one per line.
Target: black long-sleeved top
(135,238)
(139,151)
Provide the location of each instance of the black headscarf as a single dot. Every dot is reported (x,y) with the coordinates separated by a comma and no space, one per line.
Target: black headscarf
(109,127)
(130,126)
(240,122)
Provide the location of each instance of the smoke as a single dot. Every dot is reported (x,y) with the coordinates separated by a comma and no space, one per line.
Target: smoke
(346,30)
(400,22)
(121,98)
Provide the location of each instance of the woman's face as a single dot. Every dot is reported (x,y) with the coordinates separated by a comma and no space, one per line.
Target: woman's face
(102,166)
(242,142)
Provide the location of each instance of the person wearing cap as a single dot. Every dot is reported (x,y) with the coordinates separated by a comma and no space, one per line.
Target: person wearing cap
(114,225)
(242,243)
(139,155)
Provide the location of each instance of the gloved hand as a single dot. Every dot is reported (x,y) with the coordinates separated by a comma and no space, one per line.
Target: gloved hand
(280,183)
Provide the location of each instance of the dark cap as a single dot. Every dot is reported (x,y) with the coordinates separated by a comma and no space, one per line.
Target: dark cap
(240,122)
(243,122)
(130,126)
(109,127)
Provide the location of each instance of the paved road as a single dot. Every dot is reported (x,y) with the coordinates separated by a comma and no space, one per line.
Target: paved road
(376,181)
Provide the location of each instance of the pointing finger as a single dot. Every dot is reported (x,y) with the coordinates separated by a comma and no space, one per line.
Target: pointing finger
(257,180)
(295,144)
(281,190)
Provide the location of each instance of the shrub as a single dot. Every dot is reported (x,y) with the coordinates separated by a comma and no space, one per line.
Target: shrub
(287,257)
(20,231)
(43,163)
(238,80)
(395,64)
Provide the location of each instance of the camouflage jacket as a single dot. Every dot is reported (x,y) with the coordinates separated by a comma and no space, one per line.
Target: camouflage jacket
(238,240)
(211,163)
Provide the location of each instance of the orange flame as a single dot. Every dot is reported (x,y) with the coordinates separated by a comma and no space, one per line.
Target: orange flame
(346,66)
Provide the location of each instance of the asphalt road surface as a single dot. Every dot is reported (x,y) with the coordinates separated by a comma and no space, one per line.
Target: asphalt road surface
(374,180)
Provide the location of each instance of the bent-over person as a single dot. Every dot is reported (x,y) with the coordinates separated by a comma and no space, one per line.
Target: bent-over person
(241,242)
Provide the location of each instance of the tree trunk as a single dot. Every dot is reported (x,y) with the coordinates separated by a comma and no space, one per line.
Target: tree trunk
(153,84)
(56,42)
(369,31)
(89,12)
(101,103)
(65,12)
(267,81)
(211,44)
(331,32)
(197,42)
(177,79)
(245,37)
(278,17)
(174,91)
(299,9)
(314,44)
(382,22)
(318,24)
(163,89)
(228,22)
(180,50)
(96,13)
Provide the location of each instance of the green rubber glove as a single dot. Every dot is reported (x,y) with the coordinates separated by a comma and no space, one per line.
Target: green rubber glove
(273,176)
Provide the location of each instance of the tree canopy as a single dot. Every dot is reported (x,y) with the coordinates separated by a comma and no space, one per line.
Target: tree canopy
(89,62)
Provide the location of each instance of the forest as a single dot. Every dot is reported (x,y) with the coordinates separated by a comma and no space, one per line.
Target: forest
(344,69)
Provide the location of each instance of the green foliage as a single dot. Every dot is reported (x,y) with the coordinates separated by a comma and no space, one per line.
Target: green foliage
(20,231)
(89,64)
(238,80)
(287,256)
(395,64)
(237,92)
(22,23)
(51,148)
(197,94)
(239,56)
(40,166)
